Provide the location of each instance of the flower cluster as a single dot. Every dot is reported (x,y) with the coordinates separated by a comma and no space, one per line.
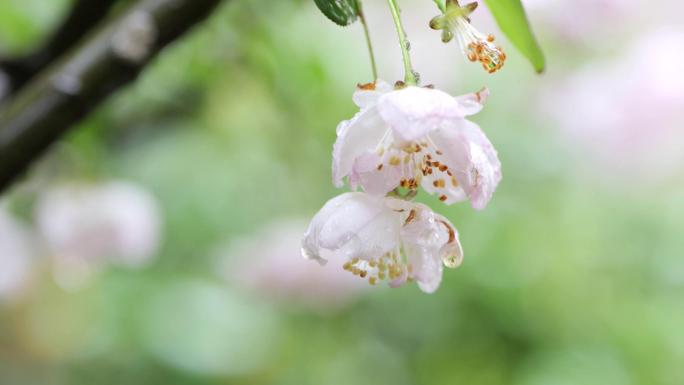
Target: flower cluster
(401,140)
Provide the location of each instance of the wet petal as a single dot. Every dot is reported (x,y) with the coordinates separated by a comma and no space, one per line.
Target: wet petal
(471,158)
(413,112)
(473,103)
(424,237)
(354,138)
(441,179)
(426,268)
(451,252)
(374,174)
(352,225)
(367,95)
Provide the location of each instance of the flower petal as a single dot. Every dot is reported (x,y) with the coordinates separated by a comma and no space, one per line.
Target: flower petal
(352,225)
(355,137)
(365,97)
(427,270)
(471,158)
(374,180)
(412,112)
(423,239)
(473,103)
(451,252)
(441,180)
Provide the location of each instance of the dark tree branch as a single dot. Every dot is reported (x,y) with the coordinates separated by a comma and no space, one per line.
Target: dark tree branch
(109,59)
(82,17)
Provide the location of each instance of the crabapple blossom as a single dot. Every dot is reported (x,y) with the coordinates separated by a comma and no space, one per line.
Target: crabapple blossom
(455,22)
(379,238)
(86,226)
(417,136)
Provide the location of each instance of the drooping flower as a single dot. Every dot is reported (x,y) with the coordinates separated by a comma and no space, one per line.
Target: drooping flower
(475,46)
(379,238)
(417,136)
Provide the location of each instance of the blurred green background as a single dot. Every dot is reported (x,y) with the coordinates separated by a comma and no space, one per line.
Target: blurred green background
(574,274)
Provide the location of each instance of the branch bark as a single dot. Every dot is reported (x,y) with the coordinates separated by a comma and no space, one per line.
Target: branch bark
(82,17)
(65,93)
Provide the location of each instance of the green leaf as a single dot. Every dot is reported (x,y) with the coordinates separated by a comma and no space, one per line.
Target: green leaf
(441,4)
(510,15)
(341,12)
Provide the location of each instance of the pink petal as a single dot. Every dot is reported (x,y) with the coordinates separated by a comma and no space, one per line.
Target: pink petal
(451,252)
(473,103)
(423,240)
(352,225)
(413,112)
(374,181)
(471,158)
(365,98)
(355,137)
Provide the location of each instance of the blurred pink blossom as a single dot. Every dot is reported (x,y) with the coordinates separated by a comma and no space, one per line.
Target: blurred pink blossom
(17,248)
(87,226)
(585,20)
(269,263)
(628,111)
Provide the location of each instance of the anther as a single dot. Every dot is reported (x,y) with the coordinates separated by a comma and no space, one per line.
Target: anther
(411,216)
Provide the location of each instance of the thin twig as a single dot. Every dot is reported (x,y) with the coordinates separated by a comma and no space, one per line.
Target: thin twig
(371,54)
(409,75)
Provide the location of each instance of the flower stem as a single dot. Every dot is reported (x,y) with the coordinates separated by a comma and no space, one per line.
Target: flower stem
(362,17)
(409,75)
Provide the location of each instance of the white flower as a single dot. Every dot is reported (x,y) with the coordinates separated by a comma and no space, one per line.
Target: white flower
(417,136)
(474,45)
(86,226)
(380,238)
